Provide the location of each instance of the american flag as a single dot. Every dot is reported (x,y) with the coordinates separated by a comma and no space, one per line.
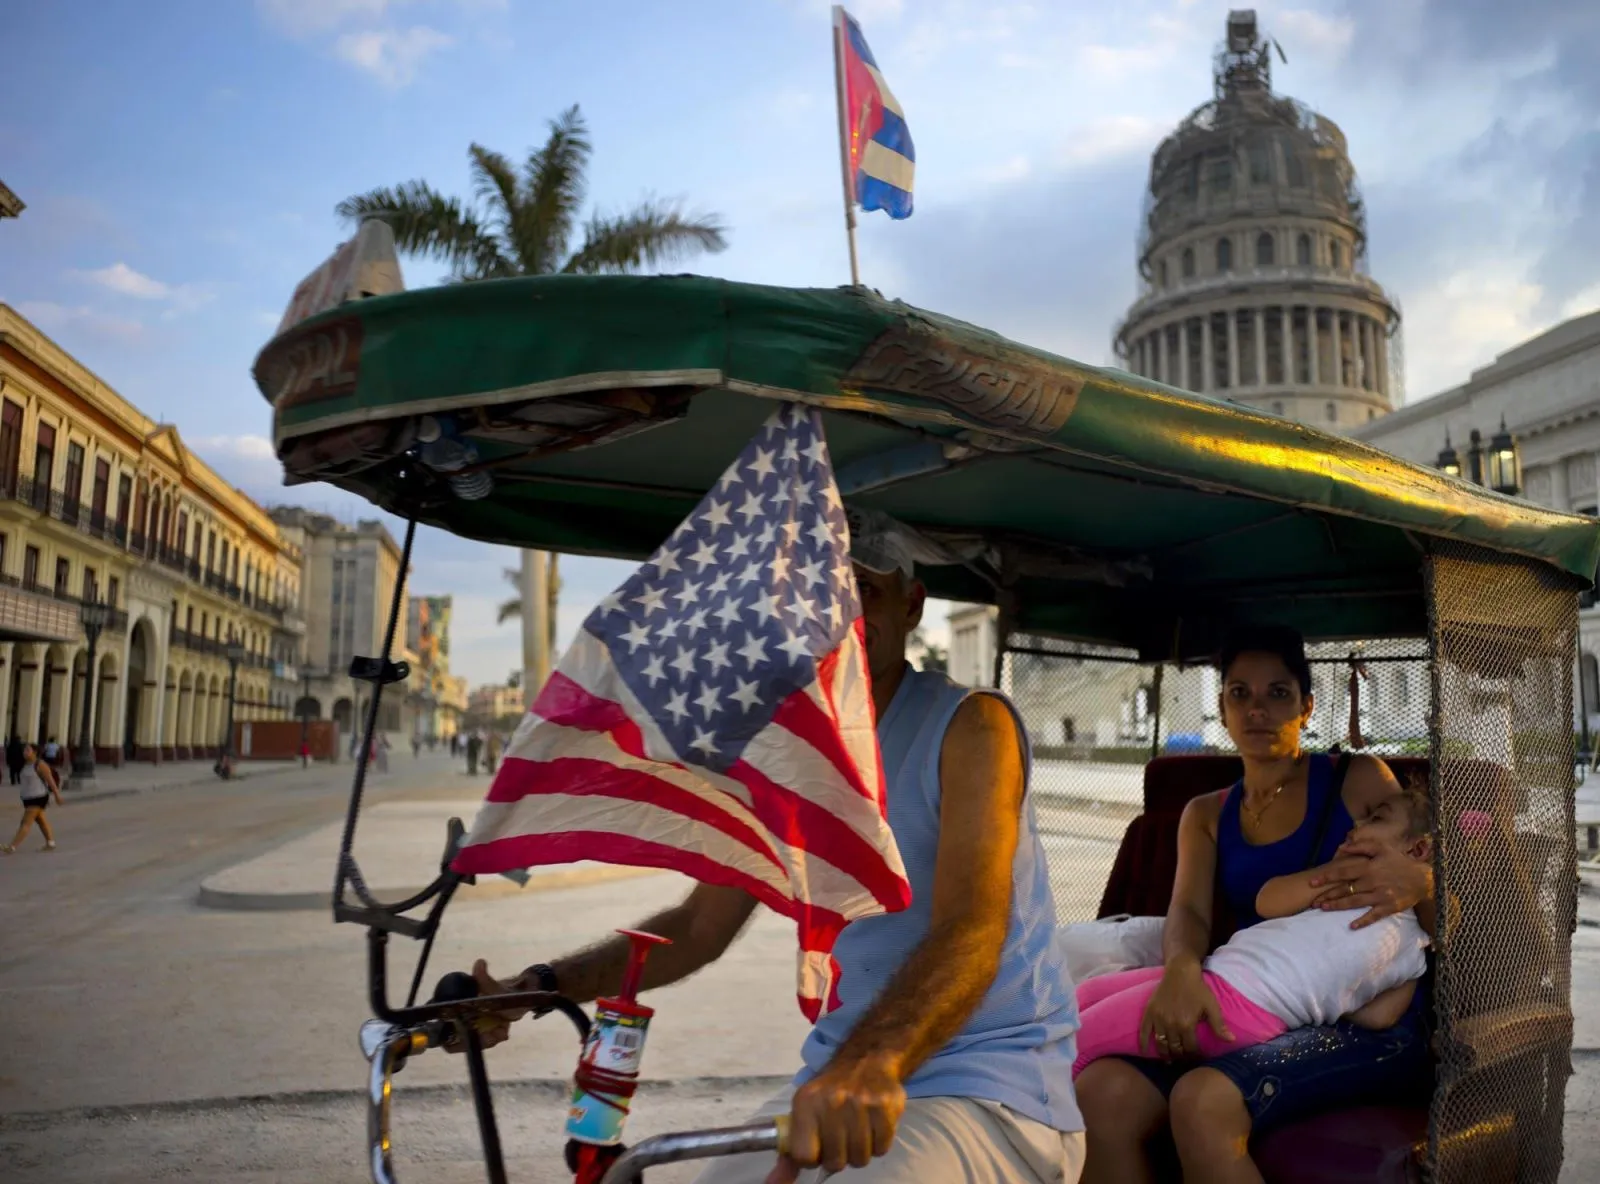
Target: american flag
(714,715)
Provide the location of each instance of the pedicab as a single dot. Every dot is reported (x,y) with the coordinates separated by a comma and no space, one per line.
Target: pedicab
(1091,508)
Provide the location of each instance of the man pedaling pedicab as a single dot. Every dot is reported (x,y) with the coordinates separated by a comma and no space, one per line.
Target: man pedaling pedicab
(950,1055)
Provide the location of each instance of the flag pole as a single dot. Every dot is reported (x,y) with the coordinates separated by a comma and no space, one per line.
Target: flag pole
(840,92)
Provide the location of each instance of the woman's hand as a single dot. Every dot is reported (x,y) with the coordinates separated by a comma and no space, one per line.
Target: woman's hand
(1181,1001)
(1368,875)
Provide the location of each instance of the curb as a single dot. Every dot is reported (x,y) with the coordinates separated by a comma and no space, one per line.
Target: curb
(552,1087)
(215,896)
(129,791)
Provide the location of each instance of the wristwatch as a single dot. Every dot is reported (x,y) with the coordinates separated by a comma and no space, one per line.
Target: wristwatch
(544,978)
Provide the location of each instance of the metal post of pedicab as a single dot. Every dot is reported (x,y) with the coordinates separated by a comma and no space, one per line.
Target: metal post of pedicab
(1583,711)
(1155,710)
(93,616)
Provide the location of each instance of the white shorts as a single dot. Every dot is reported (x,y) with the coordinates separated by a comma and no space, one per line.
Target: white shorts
(948,1140)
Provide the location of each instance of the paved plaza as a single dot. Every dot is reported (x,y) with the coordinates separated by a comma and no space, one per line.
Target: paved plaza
(154,1036)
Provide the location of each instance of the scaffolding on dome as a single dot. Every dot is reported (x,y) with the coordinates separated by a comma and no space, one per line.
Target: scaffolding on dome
(1247,152)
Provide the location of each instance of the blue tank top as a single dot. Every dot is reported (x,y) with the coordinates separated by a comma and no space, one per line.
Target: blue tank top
(1243,867)
(1018,1046)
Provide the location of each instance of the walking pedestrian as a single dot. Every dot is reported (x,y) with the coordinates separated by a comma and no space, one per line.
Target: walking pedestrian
(37,783)
(381,752)
(56,757)
(492,753)
(14,761)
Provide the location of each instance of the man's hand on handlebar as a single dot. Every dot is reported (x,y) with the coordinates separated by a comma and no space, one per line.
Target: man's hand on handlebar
(494,1027)
(844,1116)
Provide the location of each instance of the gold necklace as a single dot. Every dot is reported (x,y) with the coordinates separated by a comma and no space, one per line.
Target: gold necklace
(1258,814)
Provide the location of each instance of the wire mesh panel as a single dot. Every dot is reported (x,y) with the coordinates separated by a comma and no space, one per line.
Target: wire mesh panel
(1095,716)
(1503,638)
(1091,717)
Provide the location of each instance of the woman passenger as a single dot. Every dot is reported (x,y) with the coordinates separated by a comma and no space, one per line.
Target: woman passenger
(1282,817)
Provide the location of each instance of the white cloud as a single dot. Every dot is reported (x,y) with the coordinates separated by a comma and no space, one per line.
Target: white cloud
(122,279)
(391,55)
(55,318)
(245,448)
(301,18)
(1114,136)
(1463,320)
(1312,32)
(364,33)
(1584,302)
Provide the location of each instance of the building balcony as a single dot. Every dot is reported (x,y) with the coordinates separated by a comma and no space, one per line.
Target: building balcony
(30,611)
(72,511)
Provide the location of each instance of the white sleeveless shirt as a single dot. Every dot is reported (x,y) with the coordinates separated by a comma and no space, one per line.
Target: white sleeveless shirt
(30,784)
(1312,968)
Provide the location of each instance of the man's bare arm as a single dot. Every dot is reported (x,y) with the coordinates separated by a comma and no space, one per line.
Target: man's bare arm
(701,927)
(930,997)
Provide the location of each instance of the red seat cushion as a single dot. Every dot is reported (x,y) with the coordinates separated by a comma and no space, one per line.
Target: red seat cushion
(1369,1144)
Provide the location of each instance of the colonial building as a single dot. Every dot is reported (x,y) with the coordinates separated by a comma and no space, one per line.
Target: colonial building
(440,699)
(1528,423)
(1252,258)
(494,704)
(102,506)
(348,586)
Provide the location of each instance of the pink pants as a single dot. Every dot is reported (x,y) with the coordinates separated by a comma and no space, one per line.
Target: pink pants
(1111,1006)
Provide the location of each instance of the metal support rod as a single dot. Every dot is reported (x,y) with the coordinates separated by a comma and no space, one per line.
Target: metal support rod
(1155,723)
(358,784)
(1583,707)
(483,1102)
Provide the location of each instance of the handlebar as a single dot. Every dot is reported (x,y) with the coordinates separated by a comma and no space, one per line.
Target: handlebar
(731,1140)
(454,1006)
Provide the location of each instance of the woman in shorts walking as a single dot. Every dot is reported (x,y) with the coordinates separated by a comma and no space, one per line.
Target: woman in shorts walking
(37,783)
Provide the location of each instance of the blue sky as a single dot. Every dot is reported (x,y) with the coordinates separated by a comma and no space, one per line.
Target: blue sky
(181,160)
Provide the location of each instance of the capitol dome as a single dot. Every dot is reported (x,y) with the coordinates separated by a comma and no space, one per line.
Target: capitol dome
(1253,257)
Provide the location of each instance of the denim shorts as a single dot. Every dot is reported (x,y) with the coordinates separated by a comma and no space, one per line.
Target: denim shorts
(1312,1070)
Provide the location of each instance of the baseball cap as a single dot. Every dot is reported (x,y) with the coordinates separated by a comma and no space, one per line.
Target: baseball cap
(879,543)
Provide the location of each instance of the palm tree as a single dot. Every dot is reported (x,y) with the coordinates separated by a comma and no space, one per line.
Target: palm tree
(513,607)
(525,224)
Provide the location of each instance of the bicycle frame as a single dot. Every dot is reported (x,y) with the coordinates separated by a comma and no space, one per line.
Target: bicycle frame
(399,1033)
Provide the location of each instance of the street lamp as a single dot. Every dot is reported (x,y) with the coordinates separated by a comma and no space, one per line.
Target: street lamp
(305,714)
(1505,466)
(1448,461)
(235,654)
(94,616)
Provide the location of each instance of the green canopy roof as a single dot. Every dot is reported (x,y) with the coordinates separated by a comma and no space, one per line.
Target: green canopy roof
(1089,503)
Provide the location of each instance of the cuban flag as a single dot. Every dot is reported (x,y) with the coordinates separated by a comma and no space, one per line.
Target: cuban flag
(714,715)
(880,159)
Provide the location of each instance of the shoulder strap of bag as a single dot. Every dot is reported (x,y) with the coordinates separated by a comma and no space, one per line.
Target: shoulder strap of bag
(1335,788)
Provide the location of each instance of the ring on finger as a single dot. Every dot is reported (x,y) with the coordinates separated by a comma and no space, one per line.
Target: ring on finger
(1352,887)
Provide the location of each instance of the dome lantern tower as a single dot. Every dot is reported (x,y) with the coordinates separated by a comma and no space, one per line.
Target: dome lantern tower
(1253,257)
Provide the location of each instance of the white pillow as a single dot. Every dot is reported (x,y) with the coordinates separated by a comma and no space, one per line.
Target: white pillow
(1110,945)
